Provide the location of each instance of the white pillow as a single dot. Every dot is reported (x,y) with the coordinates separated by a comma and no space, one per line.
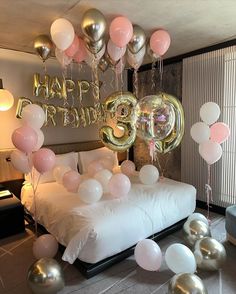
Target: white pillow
(67,159)
(85,157)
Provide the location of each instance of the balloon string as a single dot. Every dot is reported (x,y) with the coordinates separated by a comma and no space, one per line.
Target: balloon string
(116,80)
(44,67)
(152,150)
(153,84)
(161,72)
(162,170)
(121,76)
(208,192)
(95,80)
(135,82)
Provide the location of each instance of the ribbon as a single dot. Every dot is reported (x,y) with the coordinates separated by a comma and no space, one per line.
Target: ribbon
(208,190)
(152,150)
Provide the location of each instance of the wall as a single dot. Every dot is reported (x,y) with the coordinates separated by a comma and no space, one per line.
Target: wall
(17,69)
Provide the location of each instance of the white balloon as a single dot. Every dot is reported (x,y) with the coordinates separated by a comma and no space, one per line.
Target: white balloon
(40,140)
(210,151)
(90,191)
(59,171)
(148,174)
(210,112)
(114,51)
(62,33)
(180,259)
(20,161)
(33,115)
(45,246)
(200,132)
(62,58)
(103,177)
(198,216)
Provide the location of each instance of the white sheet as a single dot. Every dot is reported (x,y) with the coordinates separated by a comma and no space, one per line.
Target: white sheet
(94,232)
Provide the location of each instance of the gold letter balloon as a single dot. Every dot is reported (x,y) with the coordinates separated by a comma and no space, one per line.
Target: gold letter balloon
(160,118)
(120,104)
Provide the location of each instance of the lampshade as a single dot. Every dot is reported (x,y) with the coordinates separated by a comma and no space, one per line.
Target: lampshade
(6,98)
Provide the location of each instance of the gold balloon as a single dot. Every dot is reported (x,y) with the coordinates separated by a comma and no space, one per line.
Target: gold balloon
(121,104)
(210,254)
(45,276)
(155,118)
(93,25)
(195,230)
(41,87)
(186,283)
(103,64)
(43,46)
(174,138)
(94,47)
(138,40)
(22,102)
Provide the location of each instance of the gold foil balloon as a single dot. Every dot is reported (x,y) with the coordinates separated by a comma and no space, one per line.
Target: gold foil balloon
(155,118)
(185,283)
(195,230)
(209,253)
(93,25)
(94,47)
(121,105)
(174,138)
(138,40)
(103,64)
(45,276)
(43,46)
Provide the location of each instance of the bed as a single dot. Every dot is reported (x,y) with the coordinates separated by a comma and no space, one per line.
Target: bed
(98,235)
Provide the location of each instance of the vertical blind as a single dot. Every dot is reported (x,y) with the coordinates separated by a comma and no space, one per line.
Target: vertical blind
(210,77)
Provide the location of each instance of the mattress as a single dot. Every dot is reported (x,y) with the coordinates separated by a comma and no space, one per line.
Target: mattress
(97,231)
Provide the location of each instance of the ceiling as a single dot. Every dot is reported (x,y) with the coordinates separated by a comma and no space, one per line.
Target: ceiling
(192,24)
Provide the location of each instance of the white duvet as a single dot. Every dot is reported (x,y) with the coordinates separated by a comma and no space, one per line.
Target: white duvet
(94,232)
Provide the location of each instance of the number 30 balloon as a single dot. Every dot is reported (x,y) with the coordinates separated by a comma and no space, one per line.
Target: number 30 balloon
(121,104)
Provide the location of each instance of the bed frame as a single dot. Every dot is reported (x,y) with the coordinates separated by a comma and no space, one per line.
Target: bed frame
(87,269)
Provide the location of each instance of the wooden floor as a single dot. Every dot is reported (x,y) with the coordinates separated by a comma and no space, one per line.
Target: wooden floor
(126,277)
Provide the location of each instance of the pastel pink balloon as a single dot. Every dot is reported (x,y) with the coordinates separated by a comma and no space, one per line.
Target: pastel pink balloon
(74,47)
(210,151)
(45,246)
(24,139)
(121,31)
(94,167)
(220,132)
(160,42)
(81,54)
(119,185)
(71,181)
(127,167)
(44,160)
(148,255)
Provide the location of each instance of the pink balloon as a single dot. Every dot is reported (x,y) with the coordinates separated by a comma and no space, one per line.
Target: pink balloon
(210,151)
(220,132)
(119,185)
(24,139)
(44,160)
(81,54)
(94,167)
(21,161)
(148,255)
(127,167)
(115,52)
(71,181)
(160,42)
(74,47)
(121,31)
(45,246)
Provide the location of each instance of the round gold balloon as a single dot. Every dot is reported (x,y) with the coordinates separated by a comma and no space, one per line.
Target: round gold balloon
(138,40)
(43,46)
(155,118)
(174,138)
(103,64)
(121,105)
(186,284)
(94,47)
(209,253)
(45,276)
(93,25)
(195,230)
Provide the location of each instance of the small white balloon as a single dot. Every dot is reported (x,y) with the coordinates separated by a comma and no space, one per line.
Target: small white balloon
(210,151)
(210,112)
(90,191)
(200,132)
(59,171)
(21,161)
(33,115)
(148,174)
(198,216)
(103,177)
(45,246)
(180,259)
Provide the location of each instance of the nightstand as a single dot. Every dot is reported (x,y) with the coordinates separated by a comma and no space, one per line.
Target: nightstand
(11,216)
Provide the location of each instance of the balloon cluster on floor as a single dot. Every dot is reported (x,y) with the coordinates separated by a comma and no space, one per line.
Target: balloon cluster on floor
(206,254)
(91,48)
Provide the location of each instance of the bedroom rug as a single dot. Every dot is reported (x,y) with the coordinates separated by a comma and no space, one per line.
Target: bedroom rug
(125,277)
